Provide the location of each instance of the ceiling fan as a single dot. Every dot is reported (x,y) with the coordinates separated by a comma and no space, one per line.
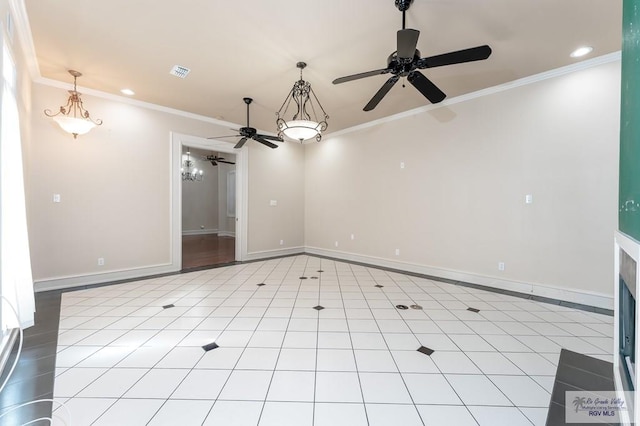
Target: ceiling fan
(246,133)
(406,61)
(215,160)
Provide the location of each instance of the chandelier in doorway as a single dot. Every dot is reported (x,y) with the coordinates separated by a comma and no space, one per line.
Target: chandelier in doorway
(189,171)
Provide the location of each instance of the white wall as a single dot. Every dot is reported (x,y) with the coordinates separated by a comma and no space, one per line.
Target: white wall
(283,170)
(457,208)
(200,198)
(116,208)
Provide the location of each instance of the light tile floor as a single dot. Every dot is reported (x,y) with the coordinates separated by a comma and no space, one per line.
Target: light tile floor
(125,360)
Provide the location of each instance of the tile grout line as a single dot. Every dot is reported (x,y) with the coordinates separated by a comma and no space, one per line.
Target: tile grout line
(315,373)
(389,349)
(353,351)
(137,381)
(273,373)
(444,375)
(204,353)
(150,369)
(215,401)
(463,297)
(478,367)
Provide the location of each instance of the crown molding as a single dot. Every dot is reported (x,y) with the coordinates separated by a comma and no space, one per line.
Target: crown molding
(23,29)
(590,63)
(121,99)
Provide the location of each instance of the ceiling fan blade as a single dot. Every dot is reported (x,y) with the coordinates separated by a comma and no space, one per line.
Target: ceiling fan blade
(264,142)
(478,53)
(381,93)
(426,87)
(226,162)
(407,42)
(241,142)
(220,137)
(270,138)
(360,75)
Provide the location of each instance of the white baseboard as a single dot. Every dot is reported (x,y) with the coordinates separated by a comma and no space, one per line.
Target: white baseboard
(7,343)
(102,277)
(569,295)
(200,232)
(226,234)
(266,254)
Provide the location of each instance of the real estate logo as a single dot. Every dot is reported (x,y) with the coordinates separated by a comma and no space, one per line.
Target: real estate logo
(597,407)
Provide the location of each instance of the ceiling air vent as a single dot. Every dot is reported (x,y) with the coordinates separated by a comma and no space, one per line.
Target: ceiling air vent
(179,71)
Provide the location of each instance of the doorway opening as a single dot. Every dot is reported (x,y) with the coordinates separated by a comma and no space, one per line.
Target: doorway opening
(208,202)
(208,207)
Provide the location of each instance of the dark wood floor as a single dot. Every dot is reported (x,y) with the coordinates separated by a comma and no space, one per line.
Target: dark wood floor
(207,250)
(34,374)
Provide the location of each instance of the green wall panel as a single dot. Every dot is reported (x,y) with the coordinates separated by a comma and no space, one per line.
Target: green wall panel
(629,196)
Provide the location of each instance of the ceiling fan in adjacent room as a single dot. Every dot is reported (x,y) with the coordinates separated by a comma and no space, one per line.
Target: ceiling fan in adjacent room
(215,160)
(246,133)
(406,61)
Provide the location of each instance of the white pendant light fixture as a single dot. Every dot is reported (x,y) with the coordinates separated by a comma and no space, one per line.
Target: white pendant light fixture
(305,123)
(72,117)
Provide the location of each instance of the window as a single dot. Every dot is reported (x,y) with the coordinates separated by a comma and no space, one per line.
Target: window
(231,194)
(15,263)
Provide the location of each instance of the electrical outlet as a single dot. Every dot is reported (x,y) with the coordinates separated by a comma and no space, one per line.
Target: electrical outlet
(56,198)
(500,266)
(402,164)
(397,252)
(273,203)
(201,226)
(101,261)
(353,237)
(336,244)
(281,242)
(528,199)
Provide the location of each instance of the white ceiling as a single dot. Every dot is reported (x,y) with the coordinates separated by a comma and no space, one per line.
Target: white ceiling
(236,49)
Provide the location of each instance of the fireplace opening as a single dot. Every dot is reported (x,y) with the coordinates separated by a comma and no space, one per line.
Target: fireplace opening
(627,321)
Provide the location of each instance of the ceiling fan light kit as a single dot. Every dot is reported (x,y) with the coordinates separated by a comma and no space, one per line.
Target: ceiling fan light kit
(306,122)
(72,117)
(301,129)
(406,62)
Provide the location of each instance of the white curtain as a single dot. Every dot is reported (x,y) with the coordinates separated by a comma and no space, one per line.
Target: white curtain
(15,261)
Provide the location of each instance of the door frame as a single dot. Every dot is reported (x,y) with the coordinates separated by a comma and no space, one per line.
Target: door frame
(178,140)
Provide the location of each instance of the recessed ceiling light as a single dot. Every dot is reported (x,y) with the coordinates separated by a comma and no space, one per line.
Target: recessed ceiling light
(581,51)
(128,92)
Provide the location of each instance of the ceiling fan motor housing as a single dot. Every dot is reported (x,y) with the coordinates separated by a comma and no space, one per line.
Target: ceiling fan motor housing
(402,67)
(403,5)
(247,131)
